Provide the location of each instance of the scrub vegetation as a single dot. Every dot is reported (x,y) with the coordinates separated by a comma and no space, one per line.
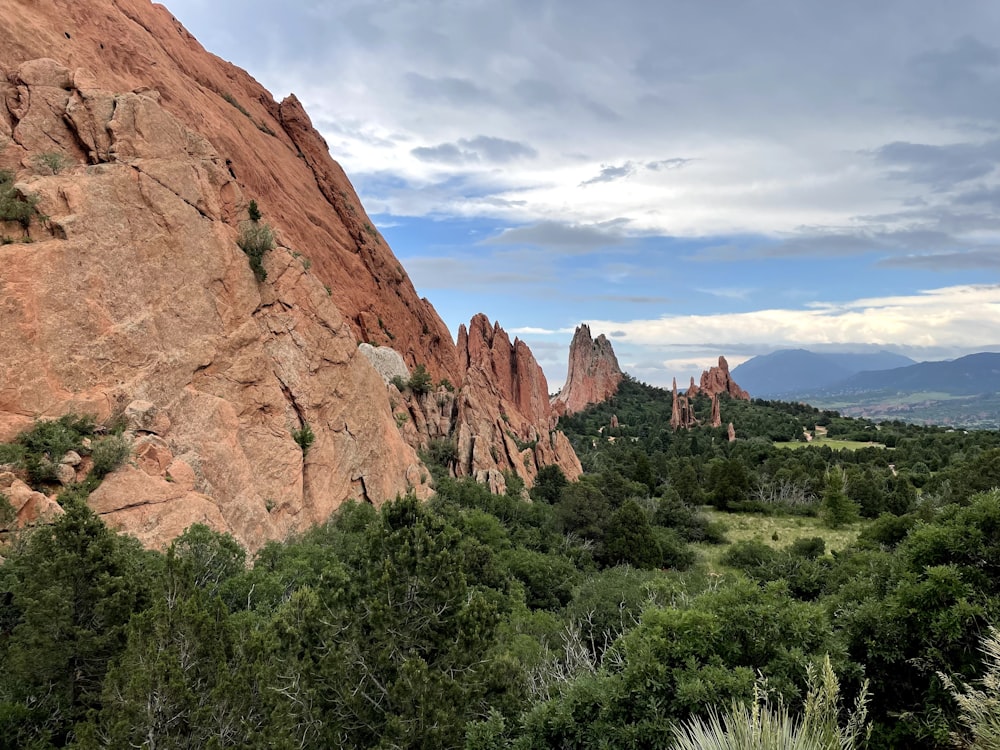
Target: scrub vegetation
(687,591)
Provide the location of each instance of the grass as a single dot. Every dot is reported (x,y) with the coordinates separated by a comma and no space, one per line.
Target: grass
(775,531)
(833,443)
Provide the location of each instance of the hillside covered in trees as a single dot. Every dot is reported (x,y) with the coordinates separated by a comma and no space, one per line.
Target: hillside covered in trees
(600,613)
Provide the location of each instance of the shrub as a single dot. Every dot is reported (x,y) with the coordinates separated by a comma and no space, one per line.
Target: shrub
(304,437)
(420,380)
(13,205)
(442,452)
(39,448)
(108,454)
(7,514)
(52,162)
(253,212)
(980,707)
(763,726)
(255,240)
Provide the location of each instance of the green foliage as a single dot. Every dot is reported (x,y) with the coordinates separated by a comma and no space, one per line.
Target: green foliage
(51,162)
(629,539)
(15,206)
(73,588)
(763,726)
(420,381)
(549,484)
(980,706)
(108,453)
(253,212)
(304,437)
(837,509)
(256,240)
(7,514)
(39,449)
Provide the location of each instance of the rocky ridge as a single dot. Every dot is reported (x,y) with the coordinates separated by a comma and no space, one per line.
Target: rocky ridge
(593,375)
(134,291)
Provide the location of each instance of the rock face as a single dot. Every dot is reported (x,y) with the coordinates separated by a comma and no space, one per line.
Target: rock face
(715,382)
(134,300)
(593,375)
(500,419)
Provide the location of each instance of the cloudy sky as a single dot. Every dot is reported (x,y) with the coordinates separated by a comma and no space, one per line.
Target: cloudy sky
(691,178)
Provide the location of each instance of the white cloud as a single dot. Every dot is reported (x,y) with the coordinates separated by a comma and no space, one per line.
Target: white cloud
(945,319)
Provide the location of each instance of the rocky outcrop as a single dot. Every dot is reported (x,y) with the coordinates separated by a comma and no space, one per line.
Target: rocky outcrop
(26,507)
(715,383)
(500,419)
(593,375)
(682,412)
(133,301)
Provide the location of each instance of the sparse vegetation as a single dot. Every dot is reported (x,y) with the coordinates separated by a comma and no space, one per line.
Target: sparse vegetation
(15,206)
(232,100)
(108,453)
(256,240)
(7,514)
(304,437)
(50,162)
(253,212)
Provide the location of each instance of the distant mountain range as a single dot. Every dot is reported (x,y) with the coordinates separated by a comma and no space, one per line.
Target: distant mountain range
(962,392)
(792,371)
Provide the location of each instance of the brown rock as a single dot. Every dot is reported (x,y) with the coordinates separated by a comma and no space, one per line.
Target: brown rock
(31,508)
(144,416)
(716,418)
(731,432)
(717,380)
(593,375)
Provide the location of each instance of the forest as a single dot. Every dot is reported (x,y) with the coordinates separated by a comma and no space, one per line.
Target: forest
(610,612)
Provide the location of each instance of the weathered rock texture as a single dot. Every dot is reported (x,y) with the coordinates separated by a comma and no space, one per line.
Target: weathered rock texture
(134,298)
(715,382)
(500,419)
(593,375)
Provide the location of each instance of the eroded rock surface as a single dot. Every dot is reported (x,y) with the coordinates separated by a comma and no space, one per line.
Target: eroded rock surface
(593,375)
(134,296)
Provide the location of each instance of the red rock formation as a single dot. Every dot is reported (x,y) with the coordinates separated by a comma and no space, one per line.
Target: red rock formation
(593,375)
(682,413)
(717,380)
(500,418)
(136,290)
(731,432)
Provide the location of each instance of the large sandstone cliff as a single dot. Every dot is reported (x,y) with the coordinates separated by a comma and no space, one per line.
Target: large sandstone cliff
(134,290)
(593,375)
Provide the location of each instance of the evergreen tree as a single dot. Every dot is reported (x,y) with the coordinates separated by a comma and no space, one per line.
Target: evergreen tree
(837,508)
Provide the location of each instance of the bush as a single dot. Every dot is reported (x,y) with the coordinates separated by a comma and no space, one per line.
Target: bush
(255,240)
(108,454)
(13,205)
(254,212)
(304,437)
(52,162)
(7,514)
(39,448)
(420,380)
